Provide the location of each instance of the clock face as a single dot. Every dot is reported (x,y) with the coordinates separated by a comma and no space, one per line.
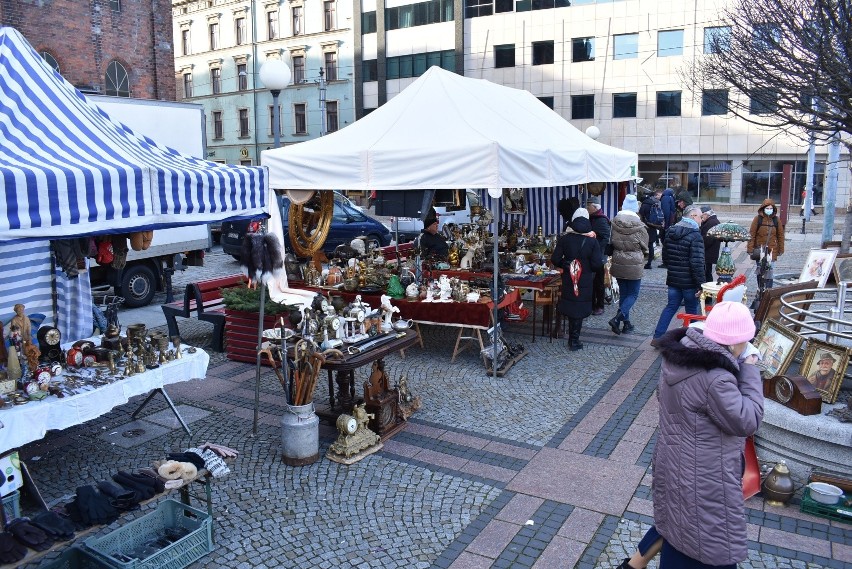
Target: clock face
(334,323)
(32,387)
(359,315)
(89,360)
(783,390)
(50,336)
(74,357)
(347,424)
(43,375)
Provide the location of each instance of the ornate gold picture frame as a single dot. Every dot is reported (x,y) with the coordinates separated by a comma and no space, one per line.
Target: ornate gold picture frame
(823,365)
(778,345)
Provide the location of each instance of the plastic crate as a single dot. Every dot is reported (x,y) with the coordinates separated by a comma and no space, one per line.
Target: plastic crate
(12,506)
(75,558)
(169,514)
(837,512)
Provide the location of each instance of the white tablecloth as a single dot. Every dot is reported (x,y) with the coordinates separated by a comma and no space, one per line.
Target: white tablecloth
(22,424)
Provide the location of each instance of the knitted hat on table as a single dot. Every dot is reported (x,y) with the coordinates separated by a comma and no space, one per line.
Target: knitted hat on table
(729,323)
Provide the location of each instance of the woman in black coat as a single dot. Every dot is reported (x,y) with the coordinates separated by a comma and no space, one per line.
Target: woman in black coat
(577,243)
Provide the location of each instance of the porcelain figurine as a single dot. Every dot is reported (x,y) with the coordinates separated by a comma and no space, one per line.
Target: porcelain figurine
(467,261)
(412,292)
(388,310)
(445,288)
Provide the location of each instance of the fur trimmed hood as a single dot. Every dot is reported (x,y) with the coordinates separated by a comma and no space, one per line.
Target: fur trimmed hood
(687,352)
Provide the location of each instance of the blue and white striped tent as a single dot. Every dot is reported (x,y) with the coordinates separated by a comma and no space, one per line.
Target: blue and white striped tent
(67,170)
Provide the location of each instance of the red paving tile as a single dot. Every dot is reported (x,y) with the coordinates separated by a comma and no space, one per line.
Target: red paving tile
(576,441)
(519,509)
(581,525)
(597,418)
(510,450)
(795,542)
(441,459)
(585,481)
(493,539)
(559,553)
(470,561)
(641,506)
(488,471)
(401,449)
(627,451)
(464,440)
(842,552)
(424,430)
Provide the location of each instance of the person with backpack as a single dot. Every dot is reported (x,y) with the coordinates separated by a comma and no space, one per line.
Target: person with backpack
(579,256)
(766,232)
(603,231)
(667,202)
(651,213)
(711,244)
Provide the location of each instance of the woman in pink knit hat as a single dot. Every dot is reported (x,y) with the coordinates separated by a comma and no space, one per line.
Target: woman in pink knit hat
(711,399)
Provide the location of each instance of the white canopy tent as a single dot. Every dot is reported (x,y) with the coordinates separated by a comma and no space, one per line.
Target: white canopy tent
(449,131)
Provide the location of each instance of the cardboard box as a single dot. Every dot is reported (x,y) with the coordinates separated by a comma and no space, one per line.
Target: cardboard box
(10,473)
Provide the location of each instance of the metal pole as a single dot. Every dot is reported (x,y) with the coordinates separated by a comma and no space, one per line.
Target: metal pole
(495,203)
(276,119)
(323,118)
(262,288)
(829,195)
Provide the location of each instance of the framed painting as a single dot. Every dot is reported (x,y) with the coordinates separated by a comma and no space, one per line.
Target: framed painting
(818,266)
(823,365)
(514,201)
(778,346)
(842,269)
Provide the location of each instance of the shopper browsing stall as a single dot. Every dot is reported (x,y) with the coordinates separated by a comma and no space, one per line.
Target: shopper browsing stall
(603,232)
(711,244)
(629,246)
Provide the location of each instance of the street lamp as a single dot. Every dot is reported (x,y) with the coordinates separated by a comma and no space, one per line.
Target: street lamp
(275,75)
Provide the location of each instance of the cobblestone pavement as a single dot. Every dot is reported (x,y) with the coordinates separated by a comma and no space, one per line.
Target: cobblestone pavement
(546,467)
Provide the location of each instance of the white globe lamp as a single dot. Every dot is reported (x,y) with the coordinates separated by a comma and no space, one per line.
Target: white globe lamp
(593,132)
(275,75)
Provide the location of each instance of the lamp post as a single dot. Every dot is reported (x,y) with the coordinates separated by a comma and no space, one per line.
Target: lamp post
(275,75)
(321,83)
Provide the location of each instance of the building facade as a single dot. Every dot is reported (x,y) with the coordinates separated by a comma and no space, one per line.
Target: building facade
(220,46)
(611,64)
(107,47)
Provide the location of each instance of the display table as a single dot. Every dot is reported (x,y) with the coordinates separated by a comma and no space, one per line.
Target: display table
(22,424)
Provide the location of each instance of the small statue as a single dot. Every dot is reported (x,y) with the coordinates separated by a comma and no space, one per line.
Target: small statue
(22,322)
(445,287)
(453,256)
(467,261)
(412,292)
(388,310)
(32,353)
(408,403)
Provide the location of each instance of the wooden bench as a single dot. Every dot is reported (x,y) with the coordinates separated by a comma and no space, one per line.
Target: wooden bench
(205,299)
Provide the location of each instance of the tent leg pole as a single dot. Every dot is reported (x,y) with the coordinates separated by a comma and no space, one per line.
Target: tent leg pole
(496,299)
(259,345)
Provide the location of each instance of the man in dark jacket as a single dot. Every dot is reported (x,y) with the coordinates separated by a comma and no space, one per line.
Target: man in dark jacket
(648,205)
(667,202)
(711,244)
(683,254)
(603,232)
(431,244)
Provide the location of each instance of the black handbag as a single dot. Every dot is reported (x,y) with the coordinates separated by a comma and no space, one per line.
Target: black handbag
(755,254)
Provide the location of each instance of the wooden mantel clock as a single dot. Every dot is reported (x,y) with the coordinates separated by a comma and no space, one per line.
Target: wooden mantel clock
(795,392)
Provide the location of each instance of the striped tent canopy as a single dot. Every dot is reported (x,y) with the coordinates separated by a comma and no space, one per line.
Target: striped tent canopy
(66,169)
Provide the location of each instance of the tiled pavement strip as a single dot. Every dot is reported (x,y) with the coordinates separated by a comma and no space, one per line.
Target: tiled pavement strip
(547,467)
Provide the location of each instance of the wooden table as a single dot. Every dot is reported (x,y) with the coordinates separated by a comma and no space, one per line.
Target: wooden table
(380,398)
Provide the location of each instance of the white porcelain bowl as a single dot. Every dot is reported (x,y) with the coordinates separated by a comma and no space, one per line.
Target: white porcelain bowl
(825,493)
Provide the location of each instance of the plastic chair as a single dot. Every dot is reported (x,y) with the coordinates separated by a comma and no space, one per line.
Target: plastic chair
(735,290)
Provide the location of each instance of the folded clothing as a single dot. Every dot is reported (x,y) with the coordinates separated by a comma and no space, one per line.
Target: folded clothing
(54,525)
(90,507)
(11,550)
(145,486)
(214,464)
(29,535)
(120,497)
(192,455)
(167,484)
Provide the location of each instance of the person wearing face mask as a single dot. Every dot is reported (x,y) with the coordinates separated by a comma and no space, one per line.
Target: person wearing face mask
(766,231)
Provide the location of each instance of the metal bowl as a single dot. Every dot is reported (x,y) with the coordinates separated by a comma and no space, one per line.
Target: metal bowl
(825,493)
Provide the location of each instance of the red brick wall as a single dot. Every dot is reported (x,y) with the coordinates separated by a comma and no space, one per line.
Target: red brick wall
(86,35)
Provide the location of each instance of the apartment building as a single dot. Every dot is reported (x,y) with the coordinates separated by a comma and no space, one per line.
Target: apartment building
(220,46)
(615,65)
(121,48)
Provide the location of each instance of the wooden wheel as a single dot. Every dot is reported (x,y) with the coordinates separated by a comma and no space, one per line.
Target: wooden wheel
(310,223)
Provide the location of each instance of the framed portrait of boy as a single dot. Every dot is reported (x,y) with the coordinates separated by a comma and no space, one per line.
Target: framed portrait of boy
(818,266)
(778,345)
(514,201)
(823,365)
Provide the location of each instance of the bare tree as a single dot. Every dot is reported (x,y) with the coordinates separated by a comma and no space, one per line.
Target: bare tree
(790,61)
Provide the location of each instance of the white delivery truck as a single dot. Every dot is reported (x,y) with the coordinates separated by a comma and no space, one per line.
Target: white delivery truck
(179,126)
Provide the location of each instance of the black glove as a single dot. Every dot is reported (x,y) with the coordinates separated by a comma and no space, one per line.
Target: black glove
(145,486)
(29,535)
(56,526)
(191,455)
(119,496)
(11,550)
(90,507)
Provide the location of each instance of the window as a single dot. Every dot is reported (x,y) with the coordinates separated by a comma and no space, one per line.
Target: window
(187,85)
(117,81)
(216,80)
(218,127)
(298,69)
(272,25)
(272,120)
(625,46)
(623,105)
(542,52)
(370,70)
(477,8)
(115,5)
(548,101)
(185,46)
(245,162)
(244,122)
(582,49)
(240,31)
(297,20)
(48,57)
(717,39)
(368,22)
(582,106)
(419,14)
(668,103)
(669,43)
(763,102)
(714,102)
(214,35)
(331,66)
(242,77)
(504,55)
(332,122)
(329,10)
(415,65)
(527,5)
(300,119)
(766,36)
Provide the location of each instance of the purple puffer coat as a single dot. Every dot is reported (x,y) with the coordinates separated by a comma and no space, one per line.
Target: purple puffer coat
(708,405)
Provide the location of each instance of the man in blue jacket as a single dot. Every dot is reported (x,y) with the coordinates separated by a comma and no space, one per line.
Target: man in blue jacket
(683,254)
(667,202)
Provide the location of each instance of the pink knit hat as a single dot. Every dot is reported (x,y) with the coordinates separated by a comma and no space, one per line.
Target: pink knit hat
(729,323)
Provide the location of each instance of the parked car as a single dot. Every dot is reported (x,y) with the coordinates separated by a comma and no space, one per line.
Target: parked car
(409,227)
(347,223)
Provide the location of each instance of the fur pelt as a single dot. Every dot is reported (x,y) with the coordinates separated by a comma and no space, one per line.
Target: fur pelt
(708,355)
(261,257)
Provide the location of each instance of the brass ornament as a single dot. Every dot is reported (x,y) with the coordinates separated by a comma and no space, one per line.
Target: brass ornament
(310,223)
